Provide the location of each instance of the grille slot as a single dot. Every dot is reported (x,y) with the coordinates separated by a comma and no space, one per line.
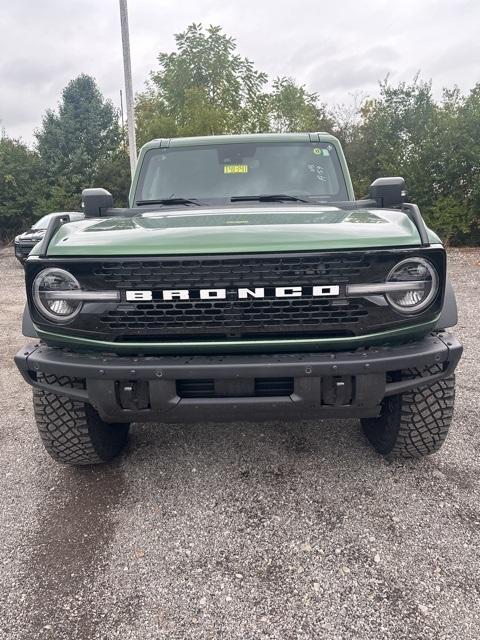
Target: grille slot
(196,388)
(260,388)
(269,387)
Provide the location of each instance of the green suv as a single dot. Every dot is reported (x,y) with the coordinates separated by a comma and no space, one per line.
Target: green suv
(243,282)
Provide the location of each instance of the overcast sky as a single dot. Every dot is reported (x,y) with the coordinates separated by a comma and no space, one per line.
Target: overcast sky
(335,47)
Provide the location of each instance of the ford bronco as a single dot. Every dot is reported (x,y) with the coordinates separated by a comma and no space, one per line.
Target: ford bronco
(243,282)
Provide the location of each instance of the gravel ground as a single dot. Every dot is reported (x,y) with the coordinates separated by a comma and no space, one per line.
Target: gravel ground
(295,531)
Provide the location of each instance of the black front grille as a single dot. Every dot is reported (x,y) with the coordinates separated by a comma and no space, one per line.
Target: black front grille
(235,317)
(281,270)
(232,317)
(23,250)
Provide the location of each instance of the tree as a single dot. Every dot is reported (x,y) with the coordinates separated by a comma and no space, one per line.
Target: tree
(434,146)
(152,120)
(293,108)
(347,117)
(392,135)
(455,206)
(74,141)
(19,184)
(202,88)
(113,174)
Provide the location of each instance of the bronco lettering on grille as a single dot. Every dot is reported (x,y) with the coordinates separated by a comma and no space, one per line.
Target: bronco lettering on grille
(241,294)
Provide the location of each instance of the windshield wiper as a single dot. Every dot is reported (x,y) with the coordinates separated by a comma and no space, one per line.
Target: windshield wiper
(170,201)
(269,197)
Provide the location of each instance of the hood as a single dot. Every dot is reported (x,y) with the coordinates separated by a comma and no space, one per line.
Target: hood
(32,235)
(235,230)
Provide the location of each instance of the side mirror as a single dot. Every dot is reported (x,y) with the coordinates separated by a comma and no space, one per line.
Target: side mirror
(388,192)
(95,201)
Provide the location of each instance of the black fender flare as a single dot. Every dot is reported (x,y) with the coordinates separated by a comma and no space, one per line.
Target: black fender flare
(28,328)
(449,315)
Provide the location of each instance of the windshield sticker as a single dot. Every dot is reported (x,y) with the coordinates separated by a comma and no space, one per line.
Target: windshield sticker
(235,168)
(317,151)
(318,171)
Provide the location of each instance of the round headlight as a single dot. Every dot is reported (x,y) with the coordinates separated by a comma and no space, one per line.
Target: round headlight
(48,289)
(423,278)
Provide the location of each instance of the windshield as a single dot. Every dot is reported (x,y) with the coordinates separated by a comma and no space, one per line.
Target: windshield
(44,220)
(42,223)
(223,171)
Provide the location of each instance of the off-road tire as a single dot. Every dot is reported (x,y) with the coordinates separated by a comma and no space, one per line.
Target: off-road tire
(72,432)
(415,423)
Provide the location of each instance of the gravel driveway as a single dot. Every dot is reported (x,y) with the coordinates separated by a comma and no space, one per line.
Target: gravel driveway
(296,531)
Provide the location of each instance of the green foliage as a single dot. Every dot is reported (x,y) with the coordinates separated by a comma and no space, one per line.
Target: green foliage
(151,118)
(202,88)
(113,174)
(434,146)
(455,208)
(392,133)
(74,141)
(293,108)
(19,179)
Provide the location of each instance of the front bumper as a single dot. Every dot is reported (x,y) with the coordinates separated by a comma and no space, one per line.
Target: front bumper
(22,251)
(248,387)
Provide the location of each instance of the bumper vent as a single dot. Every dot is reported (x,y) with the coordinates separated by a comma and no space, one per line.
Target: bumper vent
(196,388)
(247,388)
(269,387)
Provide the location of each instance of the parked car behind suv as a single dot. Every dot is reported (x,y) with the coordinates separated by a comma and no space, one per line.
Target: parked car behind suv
(25,242)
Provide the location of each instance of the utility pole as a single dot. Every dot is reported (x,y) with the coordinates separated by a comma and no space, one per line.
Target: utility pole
(127,69)
(122,120)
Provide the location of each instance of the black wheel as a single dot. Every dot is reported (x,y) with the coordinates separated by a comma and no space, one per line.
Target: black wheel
(72,432)
(415,423)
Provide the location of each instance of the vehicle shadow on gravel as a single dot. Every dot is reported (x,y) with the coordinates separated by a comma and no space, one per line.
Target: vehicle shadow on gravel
(292,466)
(301,460)
(336,441)
(69,550)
